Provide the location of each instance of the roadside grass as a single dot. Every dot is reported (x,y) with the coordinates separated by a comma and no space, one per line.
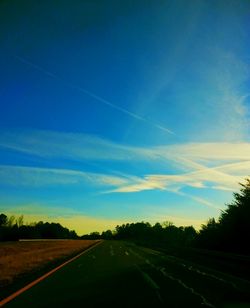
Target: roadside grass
(20,259)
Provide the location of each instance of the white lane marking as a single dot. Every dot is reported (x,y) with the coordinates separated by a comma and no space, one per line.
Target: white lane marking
(191,268)
(111,251)
(126,253)
(150,282)
(163,271)
(151,251)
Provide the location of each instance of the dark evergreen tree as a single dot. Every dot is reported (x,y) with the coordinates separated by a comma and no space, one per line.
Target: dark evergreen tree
(231,233)
(234,222)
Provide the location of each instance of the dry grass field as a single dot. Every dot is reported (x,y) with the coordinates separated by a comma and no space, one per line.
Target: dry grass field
(18,258)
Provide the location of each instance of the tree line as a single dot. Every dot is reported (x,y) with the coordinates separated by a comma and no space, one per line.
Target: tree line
(229,233)
(160,235)
(12,229)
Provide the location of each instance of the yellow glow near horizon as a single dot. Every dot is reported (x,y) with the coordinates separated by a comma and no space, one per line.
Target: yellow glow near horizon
(86,224)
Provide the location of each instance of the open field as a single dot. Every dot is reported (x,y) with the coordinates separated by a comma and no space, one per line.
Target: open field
(19,258)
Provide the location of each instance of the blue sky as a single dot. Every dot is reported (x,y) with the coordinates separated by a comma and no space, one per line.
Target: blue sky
(121,111)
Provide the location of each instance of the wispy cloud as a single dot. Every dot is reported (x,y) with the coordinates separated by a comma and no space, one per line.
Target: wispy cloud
(225,76)
(219,166)
(66,145)
(93,95)
(34,177)
(175,183)
(212,151)
(89,147)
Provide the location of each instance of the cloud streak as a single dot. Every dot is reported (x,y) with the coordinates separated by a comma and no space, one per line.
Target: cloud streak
(35,177)
(96,97)
(89,147)
(216,166)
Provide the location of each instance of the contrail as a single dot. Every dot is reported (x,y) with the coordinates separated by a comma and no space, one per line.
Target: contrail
(37,67)
(93,95)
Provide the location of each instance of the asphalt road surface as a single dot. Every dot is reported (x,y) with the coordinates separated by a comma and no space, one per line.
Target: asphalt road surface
(120,274)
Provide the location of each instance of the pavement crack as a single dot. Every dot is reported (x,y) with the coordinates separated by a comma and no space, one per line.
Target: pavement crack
(204,300)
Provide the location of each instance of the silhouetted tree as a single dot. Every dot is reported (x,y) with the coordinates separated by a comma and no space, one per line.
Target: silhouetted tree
(231,232)
(92,236)
(3,220)
(158,235)
(189,235)
(13,229)
(209,235)
(235,221)
(107,235)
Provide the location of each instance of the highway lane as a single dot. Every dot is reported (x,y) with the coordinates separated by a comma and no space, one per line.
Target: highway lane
(120,274)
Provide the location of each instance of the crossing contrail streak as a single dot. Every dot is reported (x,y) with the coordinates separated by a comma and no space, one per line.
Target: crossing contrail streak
(96,97)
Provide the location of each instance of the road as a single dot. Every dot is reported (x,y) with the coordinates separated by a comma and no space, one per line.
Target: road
(120,274)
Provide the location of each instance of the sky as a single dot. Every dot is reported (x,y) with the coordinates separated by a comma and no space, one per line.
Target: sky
(123,111)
